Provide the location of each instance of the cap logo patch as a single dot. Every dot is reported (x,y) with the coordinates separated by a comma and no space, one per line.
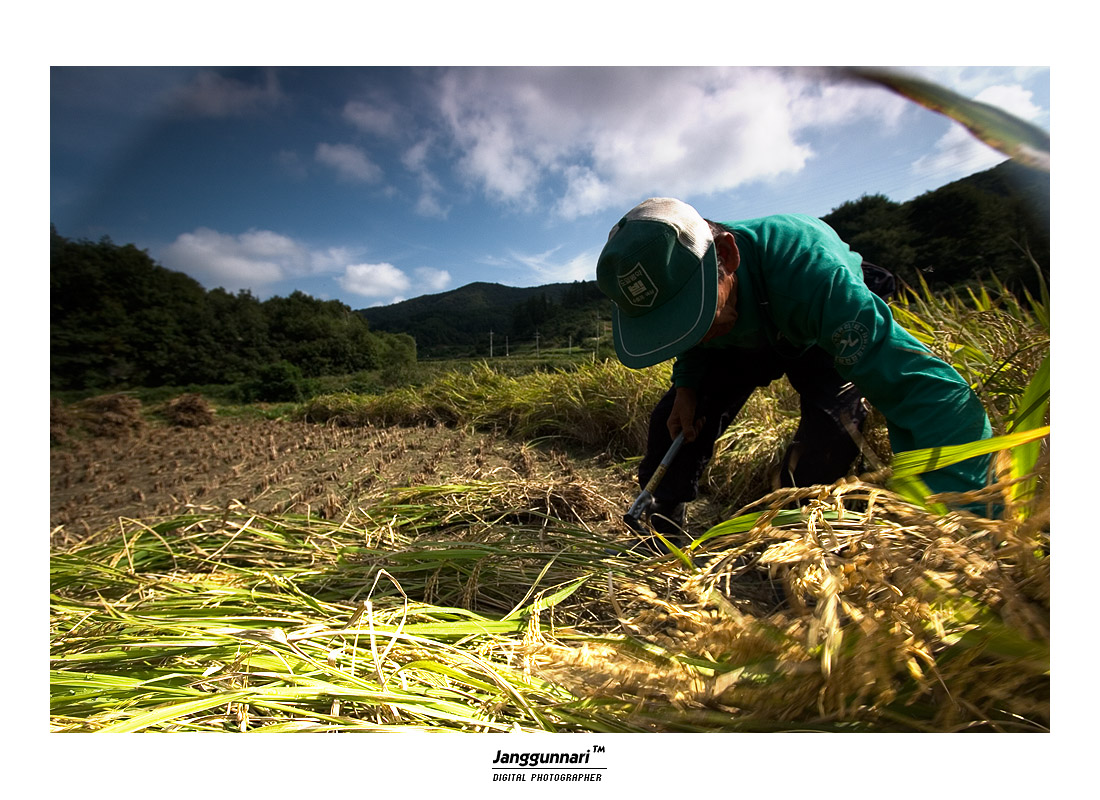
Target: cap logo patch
(637,287)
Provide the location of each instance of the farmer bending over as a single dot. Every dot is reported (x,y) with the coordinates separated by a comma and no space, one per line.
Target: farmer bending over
(738,305)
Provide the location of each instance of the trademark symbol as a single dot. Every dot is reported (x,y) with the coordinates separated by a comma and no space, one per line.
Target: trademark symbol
(597,748)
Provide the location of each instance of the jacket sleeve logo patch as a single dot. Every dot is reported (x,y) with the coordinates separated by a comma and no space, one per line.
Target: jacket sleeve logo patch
(850,341)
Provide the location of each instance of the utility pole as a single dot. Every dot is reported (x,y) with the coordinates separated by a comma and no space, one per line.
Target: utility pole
(490,344)
(536,344)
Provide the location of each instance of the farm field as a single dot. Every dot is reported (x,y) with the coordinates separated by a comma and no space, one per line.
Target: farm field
(377,569)
(285,467)
(451,555)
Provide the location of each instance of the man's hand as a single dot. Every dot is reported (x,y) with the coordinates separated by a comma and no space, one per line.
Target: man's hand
(682,417)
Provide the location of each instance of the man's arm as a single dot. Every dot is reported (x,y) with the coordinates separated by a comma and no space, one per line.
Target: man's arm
(925,401)
(687,375)
(682,416)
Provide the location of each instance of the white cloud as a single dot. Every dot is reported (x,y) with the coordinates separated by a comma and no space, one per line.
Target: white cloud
(350,162)
(249,261)
(258,259)
(432,280)
(374,280)
(333,259)
(545,268)
(824,101)
(252,260)
(415,159)
(370,118)
(586,192)
(428,205)
(598,138)
(291,164)
(1014,99)
(212,94)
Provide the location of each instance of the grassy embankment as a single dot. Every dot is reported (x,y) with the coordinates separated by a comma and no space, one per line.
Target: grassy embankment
(496,606)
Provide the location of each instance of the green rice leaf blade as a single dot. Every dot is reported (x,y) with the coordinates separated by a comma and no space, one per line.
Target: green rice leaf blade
(176,711)
(554,599)
(1002,131)
(916,491)
(916,462)
(1032,411)
(746,522)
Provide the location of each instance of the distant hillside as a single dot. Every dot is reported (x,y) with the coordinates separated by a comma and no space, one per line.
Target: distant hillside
(119,320)
(458,322)
(969,230)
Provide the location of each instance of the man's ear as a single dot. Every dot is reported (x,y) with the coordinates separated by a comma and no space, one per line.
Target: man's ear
(726,248)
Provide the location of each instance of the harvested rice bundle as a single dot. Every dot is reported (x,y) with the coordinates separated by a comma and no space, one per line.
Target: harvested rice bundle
(189,411)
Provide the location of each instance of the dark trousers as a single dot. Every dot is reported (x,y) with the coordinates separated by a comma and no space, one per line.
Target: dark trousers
(822,451)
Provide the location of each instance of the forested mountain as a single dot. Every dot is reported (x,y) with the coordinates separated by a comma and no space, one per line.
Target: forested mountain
(118,319)
(984,225)
(459,322)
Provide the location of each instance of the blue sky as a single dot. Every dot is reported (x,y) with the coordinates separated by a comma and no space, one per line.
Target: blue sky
(371,185)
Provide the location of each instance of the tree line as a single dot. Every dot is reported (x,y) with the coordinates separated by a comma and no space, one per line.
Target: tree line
(120,320)
(991,224)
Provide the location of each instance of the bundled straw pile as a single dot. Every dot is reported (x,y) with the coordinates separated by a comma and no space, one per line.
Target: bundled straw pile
(111,415)
(887,618)
(189,411)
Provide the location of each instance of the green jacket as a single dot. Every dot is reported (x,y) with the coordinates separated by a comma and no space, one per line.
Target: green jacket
(800,285)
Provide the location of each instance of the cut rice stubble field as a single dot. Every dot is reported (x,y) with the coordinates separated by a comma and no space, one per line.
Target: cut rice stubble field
(285,467)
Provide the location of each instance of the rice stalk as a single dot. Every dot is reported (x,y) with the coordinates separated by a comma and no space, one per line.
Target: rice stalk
(997,345)
(603,404)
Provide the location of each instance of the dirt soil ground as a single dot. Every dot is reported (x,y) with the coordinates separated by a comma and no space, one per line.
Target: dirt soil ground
(155,470)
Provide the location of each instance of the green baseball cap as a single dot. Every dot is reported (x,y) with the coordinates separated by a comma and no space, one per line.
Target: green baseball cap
(660,269)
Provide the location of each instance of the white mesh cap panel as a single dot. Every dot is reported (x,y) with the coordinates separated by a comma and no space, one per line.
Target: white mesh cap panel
(692,230)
